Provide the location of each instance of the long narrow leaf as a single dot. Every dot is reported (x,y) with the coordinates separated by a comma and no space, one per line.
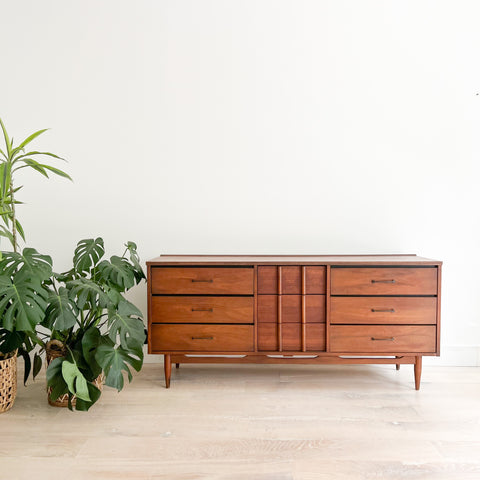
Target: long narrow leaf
(29,162)
(31,137)
(20,229)
(30,154)
(57,171)
(6,178)
(7,140)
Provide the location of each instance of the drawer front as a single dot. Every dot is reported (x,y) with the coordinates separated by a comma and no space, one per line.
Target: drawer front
(291,308)
(383,281)
(167,309)
(201,338)
(202,281)
(383,310)
(291,280)
(291,337)
(383,339)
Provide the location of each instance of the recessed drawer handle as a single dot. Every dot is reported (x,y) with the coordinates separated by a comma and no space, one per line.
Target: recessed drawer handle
(202,309)
(383,310)
(391,339)
(202,281)
(202,338)
(383,281)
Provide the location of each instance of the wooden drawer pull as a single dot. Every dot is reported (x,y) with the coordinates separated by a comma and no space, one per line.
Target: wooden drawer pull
(383,310)
(202,338)
(383,281)
(390,339)
(202,281)
(202,309)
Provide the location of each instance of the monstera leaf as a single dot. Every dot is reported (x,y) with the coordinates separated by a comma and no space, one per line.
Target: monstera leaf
(91,339)
(22,303)
(114,361)
(87,254)
(26,265)
(55,378)
(117,273)
(62,311)
(76,382)
(125,321)
(87,294)
(135,259)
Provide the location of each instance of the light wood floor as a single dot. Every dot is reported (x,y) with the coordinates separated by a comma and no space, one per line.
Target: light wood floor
(252,422)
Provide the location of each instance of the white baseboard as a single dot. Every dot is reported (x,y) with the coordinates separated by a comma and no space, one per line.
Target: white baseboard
(450,356)
(456,356)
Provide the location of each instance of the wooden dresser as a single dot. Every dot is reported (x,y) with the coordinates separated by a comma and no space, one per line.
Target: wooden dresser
(294,309)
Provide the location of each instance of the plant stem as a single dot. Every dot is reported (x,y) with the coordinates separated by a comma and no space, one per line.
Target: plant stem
(14,218)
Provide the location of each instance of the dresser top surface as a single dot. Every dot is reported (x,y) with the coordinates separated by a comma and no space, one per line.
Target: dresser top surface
(396,260)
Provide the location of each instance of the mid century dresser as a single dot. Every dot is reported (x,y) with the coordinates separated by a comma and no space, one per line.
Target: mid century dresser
(346,309)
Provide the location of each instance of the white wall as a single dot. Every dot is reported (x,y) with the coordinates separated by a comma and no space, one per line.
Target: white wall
(230,126)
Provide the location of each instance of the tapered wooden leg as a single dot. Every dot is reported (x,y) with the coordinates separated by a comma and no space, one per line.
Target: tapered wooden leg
(397,365)
(418,372)
(177,365)
(167,365)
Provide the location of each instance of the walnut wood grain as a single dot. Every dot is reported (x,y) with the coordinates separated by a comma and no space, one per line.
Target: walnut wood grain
(383,310)
(291,337)
(205,281)
(293,282)
(384,281)
(399,259)
(366,306)
(291,308)
(201,338)
(382,338)
(198,309)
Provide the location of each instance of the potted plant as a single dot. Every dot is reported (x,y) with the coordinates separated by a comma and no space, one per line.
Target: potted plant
(95,333)
(23,276)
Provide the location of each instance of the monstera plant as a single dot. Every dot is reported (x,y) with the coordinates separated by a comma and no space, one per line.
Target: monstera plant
(24,292)
(100,333)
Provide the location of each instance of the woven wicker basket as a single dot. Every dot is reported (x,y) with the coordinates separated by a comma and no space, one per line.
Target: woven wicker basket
(8,382)
(55,349)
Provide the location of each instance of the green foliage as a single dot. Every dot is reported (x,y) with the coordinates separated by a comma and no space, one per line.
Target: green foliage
(23,301)
(103,332)
(23,294)
(87,255)
(12,160)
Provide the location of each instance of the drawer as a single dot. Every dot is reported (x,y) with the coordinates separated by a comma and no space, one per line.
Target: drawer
(201,338)
(383,339)
(383,310)
(291,337)
(291,280)
(202,309)
(291,308)
(202,281)
(383,281)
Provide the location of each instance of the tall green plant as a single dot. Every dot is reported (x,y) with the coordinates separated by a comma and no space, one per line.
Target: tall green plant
(12,160)
(100,329)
